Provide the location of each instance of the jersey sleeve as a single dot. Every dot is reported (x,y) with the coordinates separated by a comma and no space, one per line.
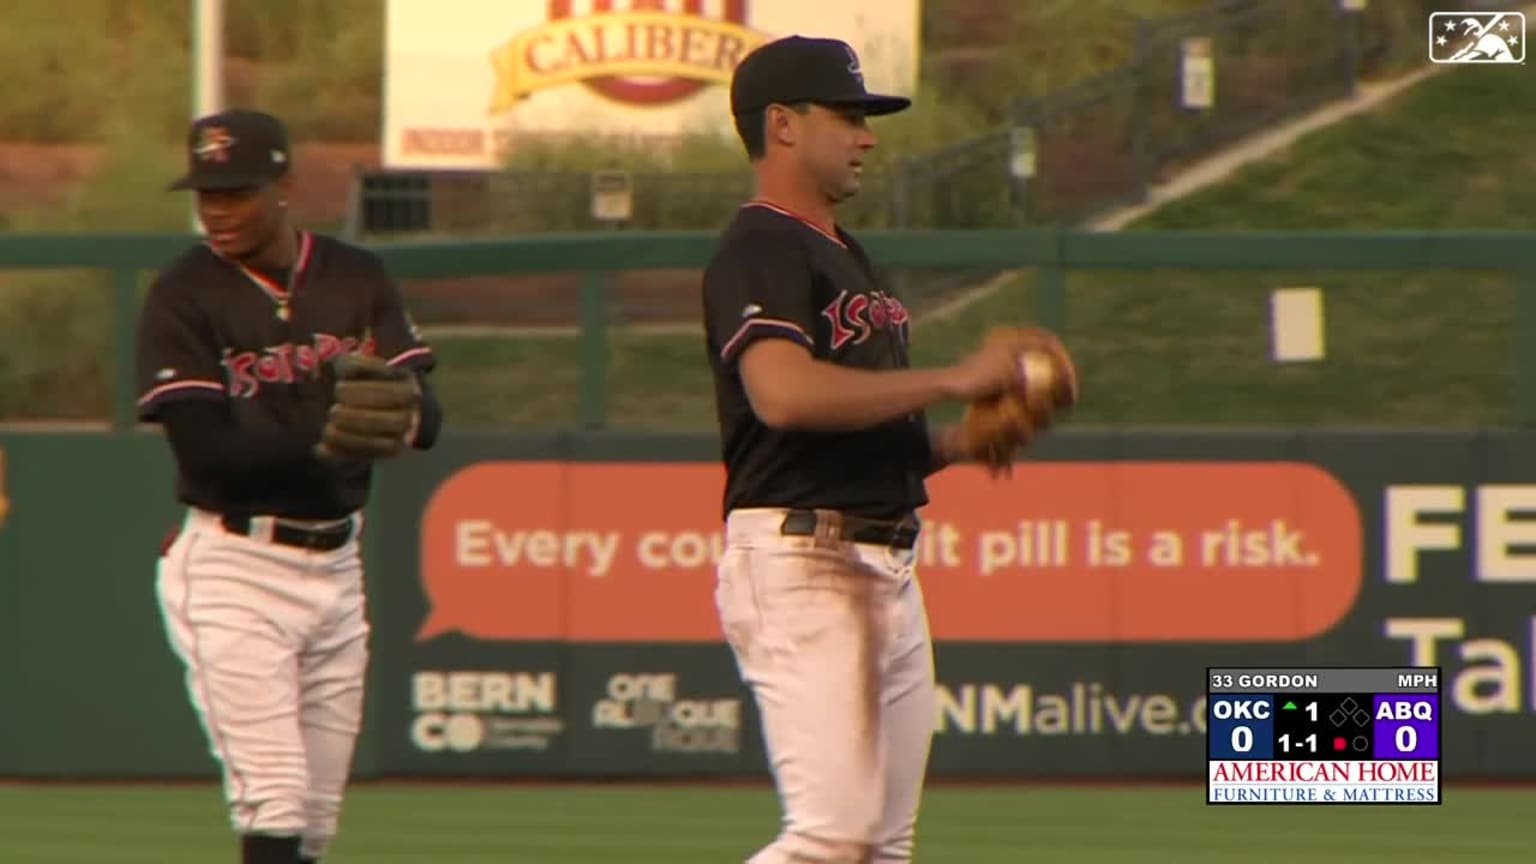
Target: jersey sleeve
(758,287)
(397,338)
(176,355)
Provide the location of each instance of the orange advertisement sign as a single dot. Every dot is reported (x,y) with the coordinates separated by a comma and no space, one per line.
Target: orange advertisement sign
(1103,552)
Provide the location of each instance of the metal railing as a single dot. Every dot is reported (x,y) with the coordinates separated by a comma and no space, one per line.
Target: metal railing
(1049,256)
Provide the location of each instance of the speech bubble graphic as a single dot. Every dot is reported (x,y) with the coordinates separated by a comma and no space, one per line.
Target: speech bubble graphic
(587,551)
(1148,551)
(1100,551)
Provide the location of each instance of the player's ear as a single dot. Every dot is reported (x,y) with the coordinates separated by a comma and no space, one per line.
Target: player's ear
(781,124)
(284,189)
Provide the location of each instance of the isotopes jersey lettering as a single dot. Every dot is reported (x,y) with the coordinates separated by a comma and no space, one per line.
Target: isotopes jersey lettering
(775,275)
(212,328)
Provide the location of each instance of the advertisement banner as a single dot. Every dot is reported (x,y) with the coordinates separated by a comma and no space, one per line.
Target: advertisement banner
(465,80)
(660,709)
(544,605)
(1097,554)
(472,709)
(1074,606)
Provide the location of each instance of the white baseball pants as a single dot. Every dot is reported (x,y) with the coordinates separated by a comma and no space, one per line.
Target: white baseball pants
(832,637)
(274,642)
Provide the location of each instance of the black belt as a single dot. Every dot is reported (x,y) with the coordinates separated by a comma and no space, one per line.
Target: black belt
(851,529)
(326,539)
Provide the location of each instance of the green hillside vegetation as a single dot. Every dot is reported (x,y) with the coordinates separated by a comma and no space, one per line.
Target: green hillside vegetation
(114,73)
(1192,347)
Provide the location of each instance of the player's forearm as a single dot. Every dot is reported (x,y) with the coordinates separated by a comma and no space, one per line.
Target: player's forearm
(941,448)
(431,422)
(819,395)
(207,442)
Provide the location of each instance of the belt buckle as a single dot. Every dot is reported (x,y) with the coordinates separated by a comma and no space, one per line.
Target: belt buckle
(829,529)
(900,535)
(310,539)
(336,536)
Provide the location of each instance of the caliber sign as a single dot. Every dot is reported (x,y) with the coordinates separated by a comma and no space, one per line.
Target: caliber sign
(466,80)
(618,55)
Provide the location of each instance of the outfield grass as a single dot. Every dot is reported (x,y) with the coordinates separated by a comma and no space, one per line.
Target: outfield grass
(679,825)
(1169,347)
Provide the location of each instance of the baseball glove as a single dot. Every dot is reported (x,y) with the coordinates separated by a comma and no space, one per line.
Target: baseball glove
(994,428)
(374,410)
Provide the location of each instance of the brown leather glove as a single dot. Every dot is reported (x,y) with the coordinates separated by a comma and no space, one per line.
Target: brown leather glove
(374,410)
(994,428)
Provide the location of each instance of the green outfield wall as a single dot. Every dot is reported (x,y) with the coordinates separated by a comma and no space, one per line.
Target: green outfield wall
(530,622)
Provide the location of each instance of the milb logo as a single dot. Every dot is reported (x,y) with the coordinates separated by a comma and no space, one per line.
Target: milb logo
(1476,37)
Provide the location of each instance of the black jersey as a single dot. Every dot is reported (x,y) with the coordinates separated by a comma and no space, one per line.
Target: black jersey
(775,275)
(214,329)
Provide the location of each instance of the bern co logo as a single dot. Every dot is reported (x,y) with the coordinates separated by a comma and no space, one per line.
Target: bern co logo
(640,52)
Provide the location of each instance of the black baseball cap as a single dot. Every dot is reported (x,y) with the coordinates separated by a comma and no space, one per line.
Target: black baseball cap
(233,149)
(806,69)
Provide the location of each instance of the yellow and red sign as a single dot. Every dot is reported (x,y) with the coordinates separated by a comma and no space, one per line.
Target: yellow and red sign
(465,80)
(645,56)
(1062,552)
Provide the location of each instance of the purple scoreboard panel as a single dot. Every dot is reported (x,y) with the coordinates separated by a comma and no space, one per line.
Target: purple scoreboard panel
(1334,735)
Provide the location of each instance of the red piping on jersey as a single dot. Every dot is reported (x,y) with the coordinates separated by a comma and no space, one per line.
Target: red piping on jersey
(763,322)
(277,292)
(758,202)
(180,385)
(408,354)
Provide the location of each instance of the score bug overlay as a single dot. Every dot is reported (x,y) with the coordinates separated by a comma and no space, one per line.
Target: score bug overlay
(1323,735)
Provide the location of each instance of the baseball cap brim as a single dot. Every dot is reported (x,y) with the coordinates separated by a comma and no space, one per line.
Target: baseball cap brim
(223,181)
(876,104)
(873,104)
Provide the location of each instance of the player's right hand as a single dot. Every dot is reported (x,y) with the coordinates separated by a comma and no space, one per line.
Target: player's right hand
(992,368)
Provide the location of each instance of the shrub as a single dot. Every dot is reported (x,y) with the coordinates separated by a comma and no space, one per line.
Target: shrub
(695,183)
(55,327)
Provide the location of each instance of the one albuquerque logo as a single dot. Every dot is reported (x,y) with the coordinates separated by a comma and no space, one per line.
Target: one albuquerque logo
(640,52)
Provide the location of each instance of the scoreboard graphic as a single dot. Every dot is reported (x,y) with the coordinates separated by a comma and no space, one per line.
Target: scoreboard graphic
(1353,735)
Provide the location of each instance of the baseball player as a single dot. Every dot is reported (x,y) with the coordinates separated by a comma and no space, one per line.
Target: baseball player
(827,450)
(281,364)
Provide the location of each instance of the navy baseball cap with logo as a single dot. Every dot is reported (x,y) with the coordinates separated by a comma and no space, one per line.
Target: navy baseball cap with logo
(806,69)
(235,149)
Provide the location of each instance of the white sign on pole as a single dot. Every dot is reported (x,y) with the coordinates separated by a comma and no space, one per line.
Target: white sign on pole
(613,199)
(1296,324)
(1199,74)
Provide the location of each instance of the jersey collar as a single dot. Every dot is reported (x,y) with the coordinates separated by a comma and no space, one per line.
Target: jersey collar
(280,294)
(766,205)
